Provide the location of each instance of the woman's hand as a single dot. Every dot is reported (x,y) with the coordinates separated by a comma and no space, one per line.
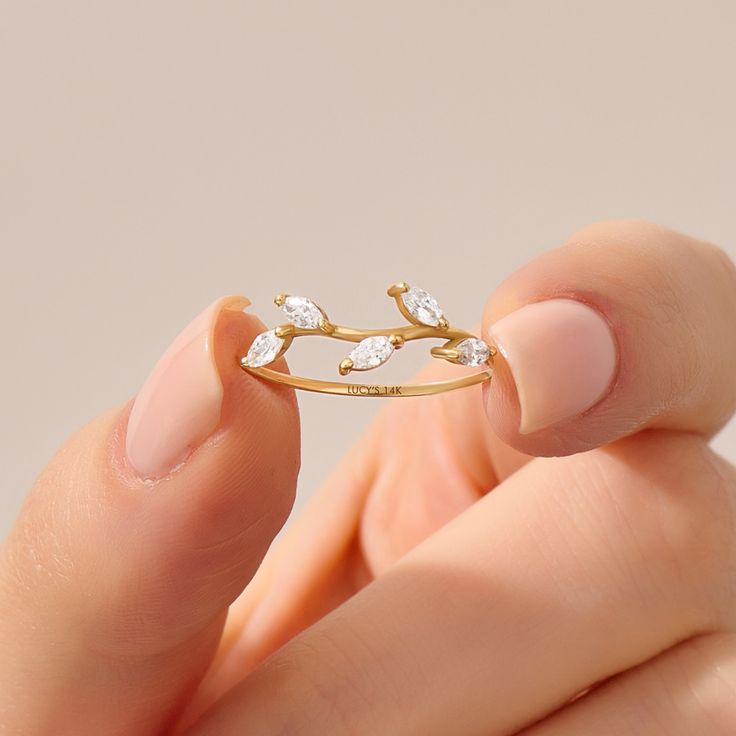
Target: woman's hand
(613,569)
(610,571)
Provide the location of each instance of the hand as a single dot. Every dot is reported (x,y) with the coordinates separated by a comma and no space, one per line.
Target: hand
(610,570)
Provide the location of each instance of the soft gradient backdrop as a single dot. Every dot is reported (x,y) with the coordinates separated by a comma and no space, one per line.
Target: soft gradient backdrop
(156,155)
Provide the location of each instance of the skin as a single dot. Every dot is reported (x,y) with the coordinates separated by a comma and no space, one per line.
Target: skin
(451,576)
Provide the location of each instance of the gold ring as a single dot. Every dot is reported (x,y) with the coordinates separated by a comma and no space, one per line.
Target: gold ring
(374,347)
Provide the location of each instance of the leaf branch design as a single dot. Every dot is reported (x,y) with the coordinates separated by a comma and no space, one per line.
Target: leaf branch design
(374,346)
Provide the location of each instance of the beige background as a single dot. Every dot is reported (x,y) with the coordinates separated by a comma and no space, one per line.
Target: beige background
(156,155)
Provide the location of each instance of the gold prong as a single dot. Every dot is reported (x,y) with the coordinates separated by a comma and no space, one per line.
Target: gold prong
(399,287)
(493,351)
(345,366)
(445,353)
(284,330)
(279,299)
(326,326)
(397,341)
(443,323)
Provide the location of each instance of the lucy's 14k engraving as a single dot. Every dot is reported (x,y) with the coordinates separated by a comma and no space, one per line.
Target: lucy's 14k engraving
(360,389)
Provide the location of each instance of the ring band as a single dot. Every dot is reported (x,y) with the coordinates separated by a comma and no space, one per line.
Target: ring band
(364,389)
(374,346)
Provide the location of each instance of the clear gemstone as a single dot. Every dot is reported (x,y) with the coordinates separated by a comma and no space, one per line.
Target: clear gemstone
(422,306)
(473,352)
(263,349)
(302,312)
(371,352)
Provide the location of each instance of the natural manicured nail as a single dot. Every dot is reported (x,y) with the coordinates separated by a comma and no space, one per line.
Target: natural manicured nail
(562,356)
(180,403)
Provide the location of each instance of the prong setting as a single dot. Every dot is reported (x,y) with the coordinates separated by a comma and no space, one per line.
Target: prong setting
(397,289)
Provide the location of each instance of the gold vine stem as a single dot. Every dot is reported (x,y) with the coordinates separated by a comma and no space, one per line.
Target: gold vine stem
(397,335)
(351,334)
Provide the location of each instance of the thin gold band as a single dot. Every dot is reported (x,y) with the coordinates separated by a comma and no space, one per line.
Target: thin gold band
(364,389)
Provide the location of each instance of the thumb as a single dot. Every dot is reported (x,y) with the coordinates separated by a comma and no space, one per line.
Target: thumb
(628,325)
(116,577)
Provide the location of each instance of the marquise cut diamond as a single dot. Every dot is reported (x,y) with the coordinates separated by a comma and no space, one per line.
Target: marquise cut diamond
(473,352)
(371,352)
(422,306)
(302,312)
(264,349)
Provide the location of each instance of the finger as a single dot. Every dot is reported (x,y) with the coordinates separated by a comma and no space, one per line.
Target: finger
(117,575)
(571,571)
(688,690)
(629,325)
(643,337)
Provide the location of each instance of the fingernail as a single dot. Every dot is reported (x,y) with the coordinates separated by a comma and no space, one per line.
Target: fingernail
(562,357)
(180,403)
